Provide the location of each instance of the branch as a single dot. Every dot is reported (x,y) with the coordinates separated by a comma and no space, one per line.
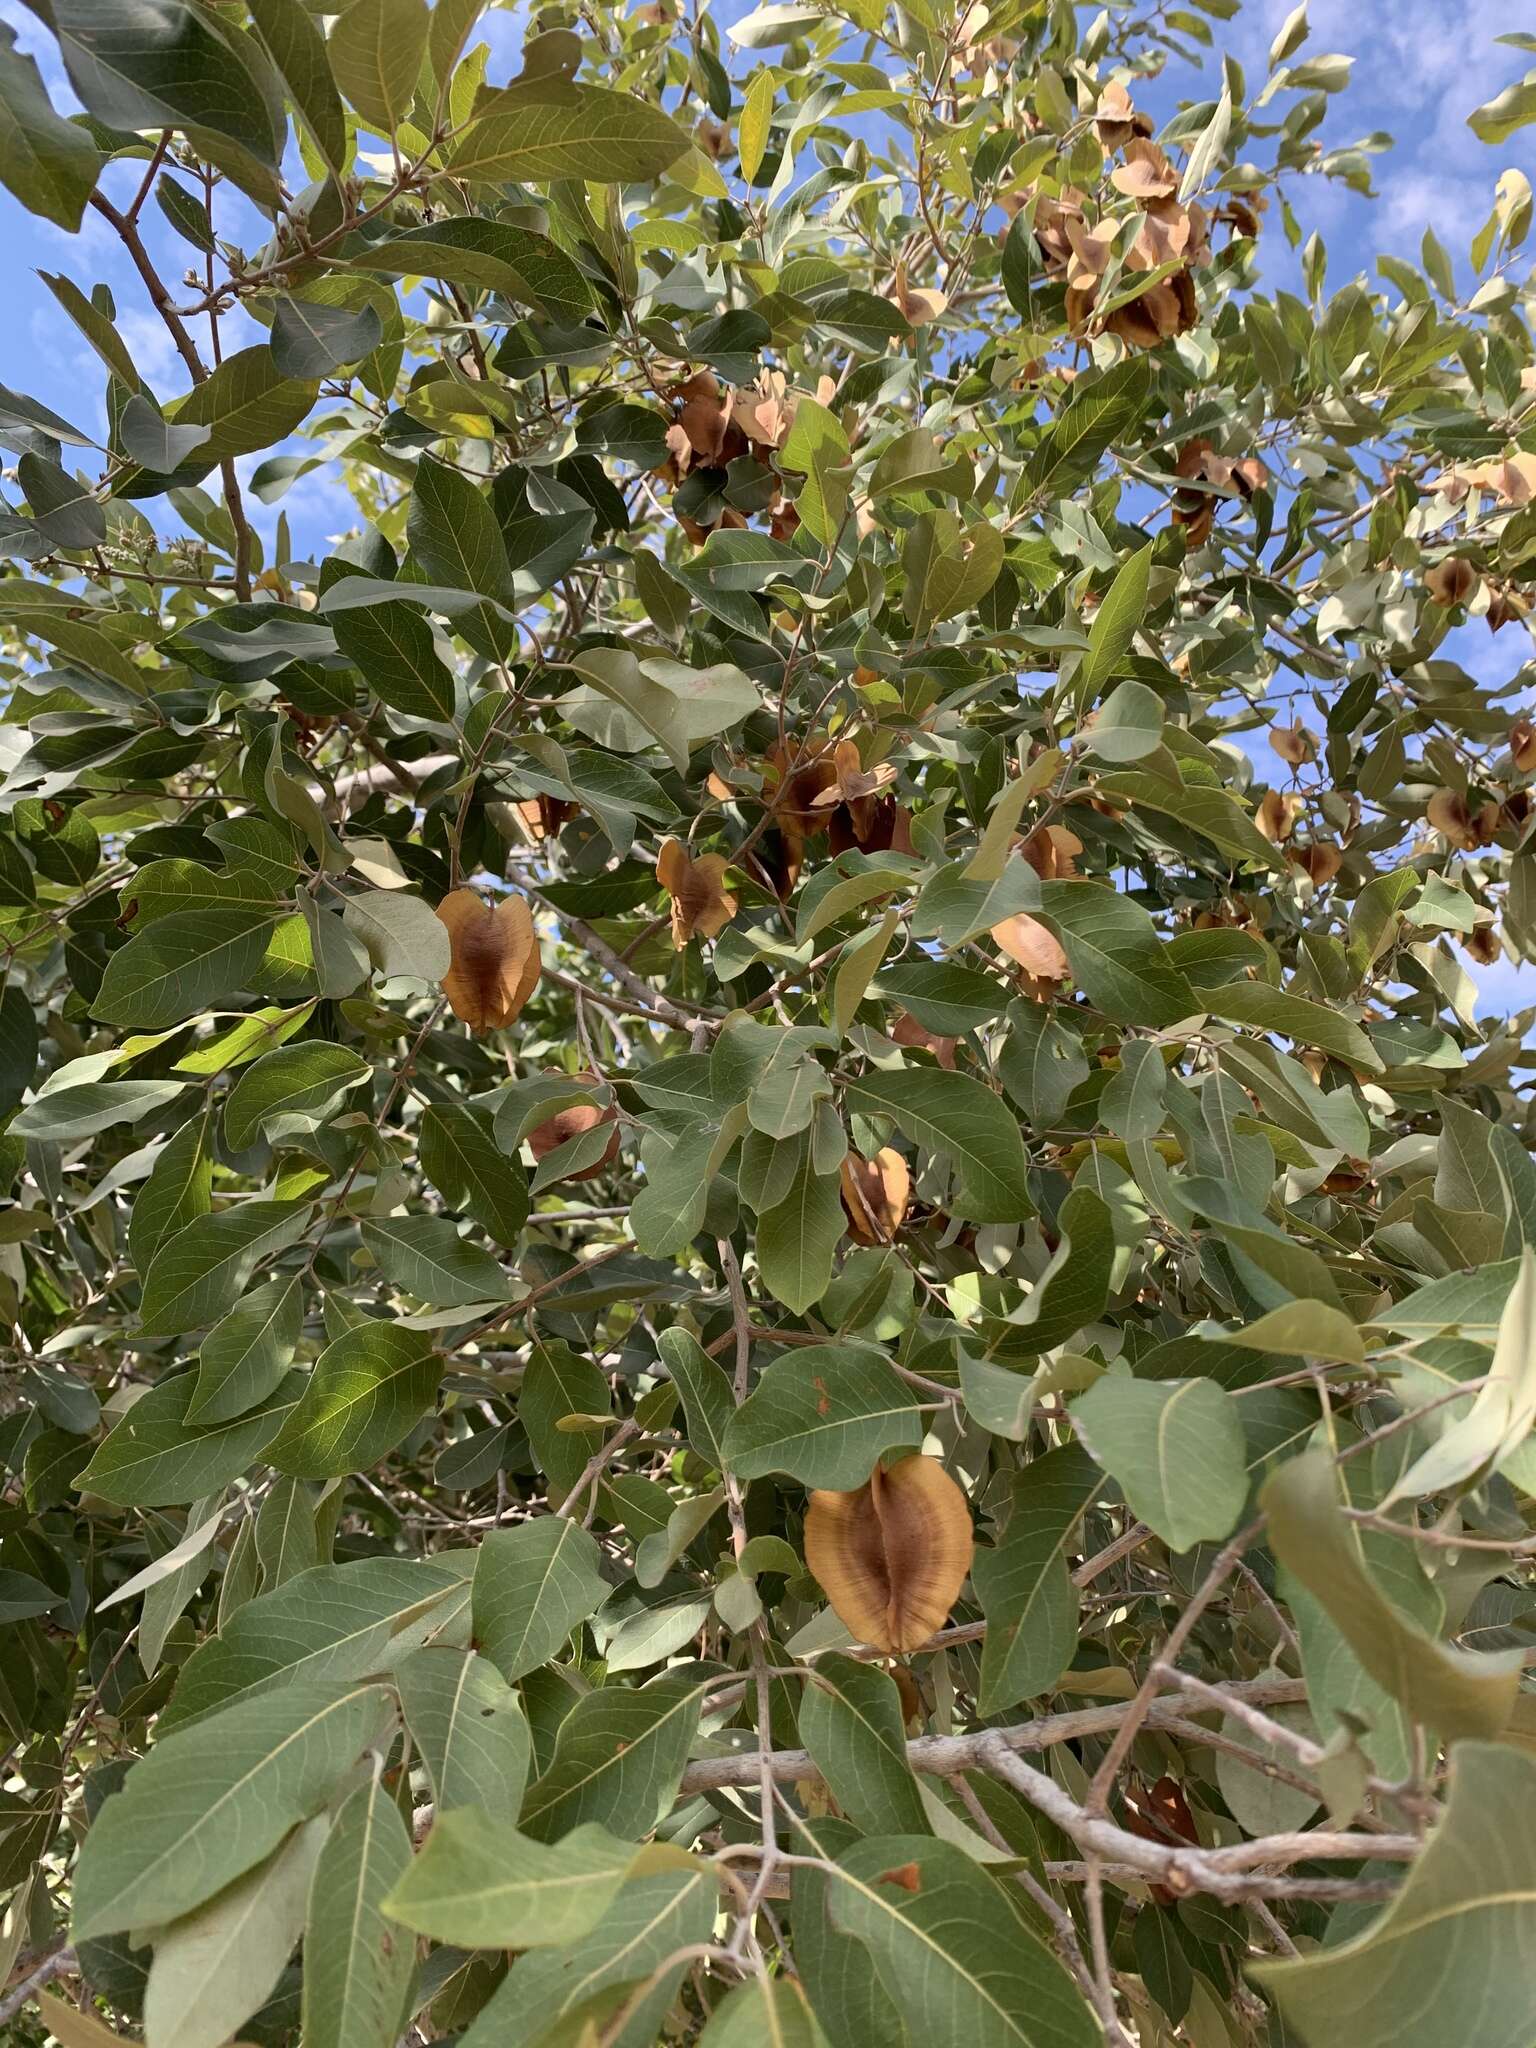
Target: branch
(1231,1873)
(128,233)
(941,1756)
(61,1963)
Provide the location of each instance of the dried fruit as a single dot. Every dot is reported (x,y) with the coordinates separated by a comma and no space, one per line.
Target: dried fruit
(893,1554)
(569,1123)
(1293,743)
(1037,950)
(876,1194)
(1452,581)
(700,900)
(1453,817)
(495,963)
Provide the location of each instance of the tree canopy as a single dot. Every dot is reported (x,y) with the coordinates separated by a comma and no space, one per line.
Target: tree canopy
(767,1277)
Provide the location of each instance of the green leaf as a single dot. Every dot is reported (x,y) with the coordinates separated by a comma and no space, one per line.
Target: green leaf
(1097,413)
(307,1080)
(952,1954)
(247,403)
(158,64)
(393,648)
(763,2010)
(1454,1940)
(401,935)
(824,1415)
(943,996)
(959,1117)
(533,1584)
(425,1256)
(708,1404)
(312,340)
(1023,1582)
(1114,626)
(1508,112)
(1115,954)
(550,129)
(651,1918)
(1459,1693)
(50,164)
(156,1457)
(182,964)
(245,1357)
(64,509)
(492,256)
(216,1967)
(752,131)
(1176,1449)
(798,1237)
(153,441)
(851,1723)
(337,1621)
(376,49)
(366,1390)
(209,1803)
(63,1115)
(357,1970)
(480,1884)
(460,1157)
(619,1758)
(1262,1008)
(1498,1423)
(454,533)
(1074,1287)
(293,41)
(467,1722)
(199,1274)
(178,1189)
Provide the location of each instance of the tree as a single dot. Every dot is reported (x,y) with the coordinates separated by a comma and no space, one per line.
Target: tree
(767,1279)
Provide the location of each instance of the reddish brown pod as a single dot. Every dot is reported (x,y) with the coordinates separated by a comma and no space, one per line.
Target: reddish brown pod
(893,1554)
(570,1123)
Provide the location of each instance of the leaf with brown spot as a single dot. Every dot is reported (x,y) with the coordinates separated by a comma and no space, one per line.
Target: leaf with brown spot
(495,965)
(893,1554)
(700,900)
(906,1876)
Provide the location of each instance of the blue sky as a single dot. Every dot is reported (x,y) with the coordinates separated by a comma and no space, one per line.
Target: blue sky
(1420,68)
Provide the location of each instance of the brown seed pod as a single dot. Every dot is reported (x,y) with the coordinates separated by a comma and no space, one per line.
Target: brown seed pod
(893,1554)
(876,1194)
(495,963)
(700,900)
(569,1123)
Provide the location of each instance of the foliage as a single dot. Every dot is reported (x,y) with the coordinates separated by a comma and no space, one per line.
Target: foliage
(842,933)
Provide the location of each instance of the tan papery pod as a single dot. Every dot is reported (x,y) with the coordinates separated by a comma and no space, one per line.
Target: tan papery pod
(893,1554)
(876,1194)
(495,963)
(700,900)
